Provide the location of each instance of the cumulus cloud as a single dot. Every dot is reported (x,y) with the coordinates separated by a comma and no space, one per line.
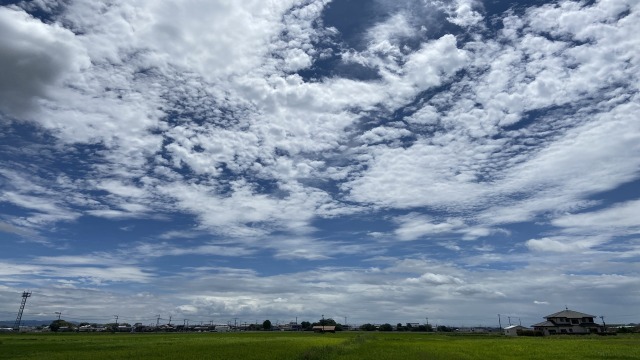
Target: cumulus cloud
(35,58)
(464,13)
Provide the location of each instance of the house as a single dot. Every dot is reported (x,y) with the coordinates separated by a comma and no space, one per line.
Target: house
(324,328)
(568,322)
(512,330)
(222,328)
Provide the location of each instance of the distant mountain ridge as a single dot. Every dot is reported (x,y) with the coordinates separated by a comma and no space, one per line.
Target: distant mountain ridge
(9,323)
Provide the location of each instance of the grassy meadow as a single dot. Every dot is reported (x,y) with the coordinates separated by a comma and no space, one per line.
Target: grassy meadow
(304,345)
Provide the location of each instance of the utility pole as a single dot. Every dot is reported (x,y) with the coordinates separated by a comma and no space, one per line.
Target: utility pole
(323,323)
(169,320)
(604,325)
(499,321)
(116,316)
(25,295)
(59,314)
(427,321)
(157,320)
(509,317)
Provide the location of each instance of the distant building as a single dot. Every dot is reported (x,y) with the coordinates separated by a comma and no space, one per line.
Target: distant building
(512,330)
(325,328)
(124,328)
(222,328)
(568,322)
(292,326)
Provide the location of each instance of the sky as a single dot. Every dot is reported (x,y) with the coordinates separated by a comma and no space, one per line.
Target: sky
(457,162)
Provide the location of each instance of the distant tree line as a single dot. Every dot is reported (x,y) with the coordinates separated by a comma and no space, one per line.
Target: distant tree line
(399,327)
(266,325)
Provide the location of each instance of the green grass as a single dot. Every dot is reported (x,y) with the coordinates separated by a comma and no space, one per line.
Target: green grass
(310,346)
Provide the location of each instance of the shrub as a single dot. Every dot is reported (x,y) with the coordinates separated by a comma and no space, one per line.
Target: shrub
(529,333)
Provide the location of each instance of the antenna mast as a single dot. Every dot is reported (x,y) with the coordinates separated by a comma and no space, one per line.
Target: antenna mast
(25,295)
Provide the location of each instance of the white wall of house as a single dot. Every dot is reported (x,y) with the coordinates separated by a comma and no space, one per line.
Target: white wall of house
(513,330)
(222,328)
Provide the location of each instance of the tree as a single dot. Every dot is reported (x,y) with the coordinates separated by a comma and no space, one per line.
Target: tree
(305,325)
(266,325)
(327,322)
(57,324)
(367,327)
(113,327)
(443,328)
(399,327)
(385,327)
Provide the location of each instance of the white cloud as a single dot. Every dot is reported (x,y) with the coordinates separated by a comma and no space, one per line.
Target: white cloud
(216,39)
(564,244)
(395,28)
(470,161)
(35,58)
(159,109)
(145,251)
(464,13)
(96,274)
(619,219)
(435,279)
(414,226)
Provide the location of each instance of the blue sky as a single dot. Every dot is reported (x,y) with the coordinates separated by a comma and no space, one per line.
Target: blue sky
(378,160)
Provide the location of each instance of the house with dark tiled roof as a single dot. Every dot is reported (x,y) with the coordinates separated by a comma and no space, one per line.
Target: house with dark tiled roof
(568,322)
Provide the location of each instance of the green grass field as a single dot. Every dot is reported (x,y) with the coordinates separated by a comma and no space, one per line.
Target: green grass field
(346,345)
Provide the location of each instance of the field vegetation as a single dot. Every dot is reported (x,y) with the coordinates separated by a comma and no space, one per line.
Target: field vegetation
(311,346)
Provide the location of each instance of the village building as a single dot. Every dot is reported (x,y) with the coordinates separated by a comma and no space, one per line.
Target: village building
(222,328)
(568,322)
(324,328)
(512,330)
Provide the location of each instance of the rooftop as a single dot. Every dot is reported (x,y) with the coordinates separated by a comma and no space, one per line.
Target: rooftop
(569,314)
